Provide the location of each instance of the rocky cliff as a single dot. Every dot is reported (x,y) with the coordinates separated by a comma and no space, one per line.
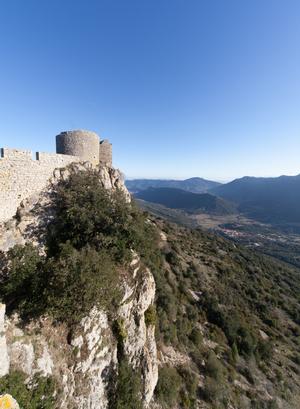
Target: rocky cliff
(83,362)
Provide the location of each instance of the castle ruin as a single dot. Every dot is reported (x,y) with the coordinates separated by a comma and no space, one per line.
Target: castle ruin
(23,174)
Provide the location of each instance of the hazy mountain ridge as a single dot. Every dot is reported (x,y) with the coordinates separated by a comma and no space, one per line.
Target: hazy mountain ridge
(194,185)
(188,201)
(273,200)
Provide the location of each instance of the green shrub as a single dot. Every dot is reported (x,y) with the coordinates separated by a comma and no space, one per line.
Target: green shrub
(264,350)
(67,287)
(88,214)
(213,390)
(196,337)
(296,358)
(214,368)
(38,395)
(197,356)
(150,315)
(168,386)
(120,331)
(233,325)
(246,342)
(128,389)
(189,390)
(260,404)
(247,373)
(172,258)
(79,280)
(234,353)
(20,278)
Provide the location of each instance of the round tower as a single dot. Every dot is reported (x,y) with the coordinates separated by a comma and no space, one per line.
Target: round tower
(81,143)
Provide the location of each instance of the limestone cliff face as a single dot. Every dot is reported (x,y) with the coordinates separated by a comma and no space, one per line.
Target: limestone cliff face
(4,361)
(83,362)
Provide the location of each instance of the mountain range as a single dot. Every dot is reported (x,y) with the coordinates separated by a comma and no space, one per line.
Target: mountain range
(194,185)
(271,200)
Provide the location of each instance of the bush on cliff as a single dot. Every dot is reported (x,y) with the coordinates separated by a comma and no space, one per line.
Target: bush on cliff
(87,213)
(20,278)
(77,280)
(168,387)
(39,394)
(128,388)
(66,287)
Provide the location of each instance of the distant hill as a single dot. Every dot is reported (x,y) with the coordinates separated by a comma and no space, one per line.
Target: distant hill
(177,216)
(273,200)
(194,185)
(187,201)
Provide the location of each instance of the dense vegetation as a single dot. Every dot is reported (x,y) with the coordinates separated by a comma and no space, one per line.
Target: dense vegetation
(230,316)
(227,310)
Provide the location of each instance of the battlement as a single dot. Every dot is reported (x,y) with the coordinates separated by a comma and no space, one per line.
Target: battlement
(55,157)
(45,157)
(24,173)
(15,154)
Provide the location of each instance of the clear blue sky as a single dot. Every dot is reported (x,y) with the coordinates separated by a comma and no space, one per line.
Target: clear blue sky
(182,88)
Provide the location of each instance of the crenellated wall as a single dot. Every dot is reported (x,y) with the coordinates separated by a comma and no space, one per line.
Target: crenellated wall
(22,174)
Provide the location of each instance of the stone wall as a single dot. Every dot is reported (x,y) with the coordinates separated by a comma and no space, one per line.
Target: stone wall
(22,175)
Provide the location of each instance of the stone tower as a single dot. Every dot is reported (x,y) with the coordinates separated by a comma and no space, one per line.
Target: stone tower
(80,143)
(105,153)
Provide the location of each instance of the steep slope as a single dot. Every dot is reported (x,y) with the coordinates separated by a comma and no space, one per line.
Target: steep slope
(195,185)
(191,202)
(228,325)
(274,200)
(171,215)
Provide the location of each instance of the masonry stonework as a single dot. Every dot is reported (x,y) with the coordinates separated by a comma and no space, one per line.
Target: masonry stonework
(105,154)
(22,175)
(84,144)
